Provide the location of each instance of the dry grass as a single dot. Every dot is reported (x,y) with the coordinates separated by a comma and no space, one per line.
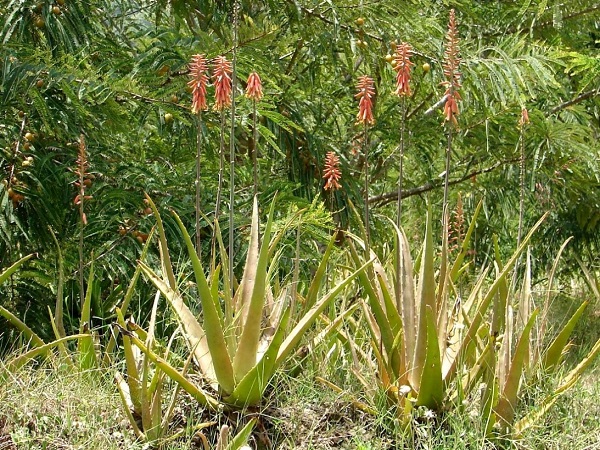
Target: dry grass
(53,407)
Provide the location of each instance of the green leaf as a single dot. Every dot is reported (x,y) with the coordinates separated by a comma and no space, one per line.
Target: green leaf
(431,386)
(426,298)
(202,397)
(22,327)
(212,319)
(250,389)
(241,439)
(14,364)
(85,346)
(554,353)
(165,258)
(192,330)
(507,403)
(245,356)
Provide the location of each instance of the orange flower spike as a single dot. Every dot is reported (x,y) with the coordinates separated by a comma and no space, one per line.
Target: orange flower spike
(403,66)
(331,172)
(524,120)
(198,69)
(254,87)
(451,64)
(366,91)
(222,82)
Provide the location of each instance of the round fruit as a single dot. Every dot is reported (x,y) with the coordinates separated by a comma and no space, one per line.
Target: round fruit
(426,67)
(29,136)
(168,118)
(11,193)
(163,70)
(360,21)
(39,22)
(21,114)
(38,8)
(174,98)
(26,163)
(122,231)
(26,146)
(39,83)
(393,45)
(61,2)
(56,10)
(148,211)
(87,182)
(389,58)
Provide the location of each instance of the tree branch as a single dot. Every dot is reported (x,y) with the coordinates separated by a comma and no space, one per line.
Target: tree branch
(389,197)
(578,99)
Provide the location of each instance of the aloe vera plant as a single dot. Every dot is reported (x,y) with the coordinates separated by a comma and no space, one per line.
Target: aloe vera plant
(242,339)
(434,349)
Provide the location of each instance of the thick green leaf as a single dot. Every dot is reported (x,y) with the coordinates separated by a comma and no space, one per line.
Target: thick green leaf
(85,346)
(241,439)
(215,336)
(485,302)
(431,386)
(202,397)
(249,391)
(426,298)
(505,409)
(367,283)
(553,355)
(246,354)
(165,258)
(12,269)
(22,327)
(43,350)
(131,365)
(193,331)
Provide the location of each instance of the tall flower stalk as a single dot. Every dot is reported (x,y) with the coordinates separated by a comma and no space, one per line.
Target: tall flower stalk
(403,66)
(523,122)
(222,81)
(198,69)
(82,182)
(254,93)
(452,96)
(366,92)
(232,141)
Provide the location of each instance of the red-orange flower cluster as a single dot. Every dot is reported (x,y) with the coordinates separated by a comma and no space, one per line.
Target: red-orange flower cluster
(524,120)
(254,87)
(83,179)
(403,68)
(222,82)
(198,69)
(332,173)
(366,91)
(451,63)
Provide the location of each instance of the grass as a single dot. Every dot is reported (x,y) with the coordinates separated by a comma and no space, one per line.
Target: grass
(52,407)
(49,406)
